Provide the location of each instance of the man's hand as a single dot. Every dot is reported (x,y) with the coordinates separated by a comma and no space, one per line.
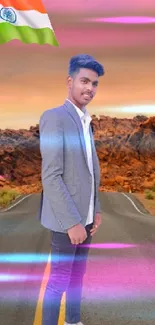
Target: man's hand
(77,234)
(97,223)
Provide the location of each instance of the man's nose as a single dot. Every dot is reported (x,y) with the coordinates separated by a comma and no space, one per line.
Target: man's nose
(89,87)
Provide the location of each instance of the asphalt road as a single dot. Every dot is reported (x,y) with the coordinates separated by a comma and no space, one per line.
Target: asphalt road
(119,286)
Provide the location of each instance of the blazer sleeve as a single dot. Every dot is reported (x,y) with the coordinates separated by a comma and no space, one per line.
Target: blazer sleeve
(97,204)
(51,149)
(97,200)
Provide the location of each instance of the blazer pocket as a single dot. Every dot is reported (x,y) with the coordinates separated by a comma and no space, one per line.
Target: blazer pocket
(71,188)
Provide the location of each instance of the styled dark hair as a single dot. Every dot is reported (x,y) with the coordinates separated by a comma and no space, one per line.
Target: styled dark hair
(84,61)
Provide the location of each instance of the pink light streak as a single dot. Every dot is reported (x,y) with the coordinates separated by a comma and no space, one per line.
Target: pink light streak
(123,20)
(110,279)
(110,246)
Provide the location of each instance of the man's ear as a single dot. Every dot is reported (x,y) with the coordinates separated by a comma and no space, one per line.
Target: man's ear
(69,81)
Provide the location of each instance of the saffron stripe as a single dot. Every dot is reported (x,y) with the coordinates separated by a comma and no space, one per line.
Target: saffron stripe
(24,5)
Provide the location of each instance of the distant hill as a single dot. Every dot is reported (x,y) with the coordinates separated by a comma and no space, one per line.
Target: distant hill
(125,147)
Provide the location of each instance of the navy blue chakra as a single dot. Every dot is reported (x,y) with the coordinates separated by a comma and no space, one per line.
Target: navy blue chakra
(8,14)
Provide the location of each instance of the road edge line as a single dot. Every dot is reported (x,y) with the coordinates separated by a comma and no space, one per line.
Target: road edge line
(12,206)
(133,203)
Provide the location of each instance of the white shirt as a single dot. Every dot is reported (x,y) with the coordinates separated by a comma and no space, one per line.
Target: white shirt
(85,120)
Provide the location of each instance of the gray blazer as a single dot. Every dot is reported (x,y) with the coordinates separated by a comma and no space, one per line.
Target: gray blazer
(66,179)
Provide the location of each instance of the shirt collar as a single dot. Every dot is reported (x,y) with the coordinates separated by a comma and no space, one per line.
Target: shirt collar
(82,113)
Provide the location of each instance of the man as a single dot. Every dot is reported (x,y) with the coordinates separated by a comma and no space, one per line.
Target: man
(70,205)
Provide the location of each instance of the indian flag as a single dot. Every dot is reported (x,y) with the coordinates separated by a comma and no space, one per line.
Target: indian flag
(27,21)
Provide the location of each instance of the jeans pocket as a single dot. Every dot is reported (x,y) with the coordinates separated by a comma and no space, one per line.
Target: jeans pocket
(59,239)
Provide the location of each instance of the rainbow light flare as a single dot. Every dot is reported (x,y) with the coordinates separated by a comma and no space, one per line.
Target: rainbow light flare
(123,20)
(23,258)
(109,279)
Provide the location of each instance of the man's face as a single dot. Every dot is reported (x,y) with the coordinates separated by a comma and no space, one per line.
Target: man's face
(83,86)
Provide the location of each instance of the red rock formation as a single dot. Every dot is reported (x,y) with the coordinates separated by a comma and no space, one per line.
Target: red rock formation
(125,147)
(20,160)
(127,151)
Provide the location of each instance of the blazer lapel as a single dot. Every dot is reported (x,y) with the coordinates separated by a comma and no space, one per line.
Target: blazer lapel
(71,110)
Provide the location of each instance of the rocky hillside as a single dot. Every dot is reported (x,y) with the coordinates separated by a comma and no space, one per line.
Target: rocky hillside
(125,147)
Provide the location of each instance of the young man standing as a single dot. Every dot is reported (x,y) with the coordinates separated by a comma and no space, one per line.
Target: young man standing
(70,206)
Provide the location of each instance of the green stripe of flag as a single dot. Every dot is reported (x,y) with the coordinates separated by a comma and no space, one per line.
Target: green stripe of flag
(27,34)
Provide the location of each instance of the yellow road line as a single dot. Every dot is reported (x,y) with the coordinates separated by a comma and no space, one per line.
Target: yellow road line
(38,312)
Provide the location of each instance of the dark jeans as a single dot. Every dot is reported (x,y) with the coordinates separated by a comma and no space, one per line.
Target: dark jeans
(68,265)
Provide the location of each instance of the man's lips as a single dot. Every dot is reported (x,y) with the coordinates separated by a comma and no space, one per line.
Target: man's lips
(86,95)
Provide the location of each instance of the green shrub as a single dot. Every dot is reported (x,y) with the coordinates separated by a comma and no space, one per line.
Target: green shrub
(149,195)
(153,188)
(7,196)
